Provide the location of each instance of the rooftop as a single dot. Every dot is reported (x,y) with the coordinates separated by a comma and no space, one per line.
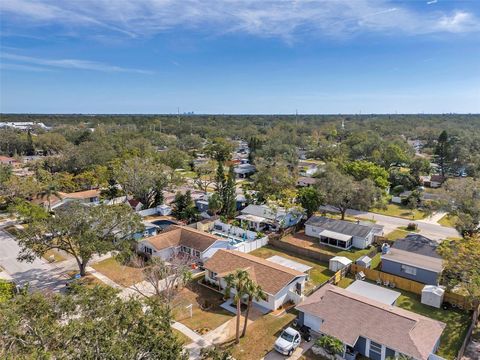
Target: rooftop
(374,292)
(340,226)
(412,259)
(272,277)
(417,244)
(176,235)
(347,316)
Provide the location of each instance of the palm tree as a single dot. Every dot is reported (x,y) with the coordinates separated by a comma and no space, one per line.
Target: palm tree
(254,292)
(237,281)
(49,189)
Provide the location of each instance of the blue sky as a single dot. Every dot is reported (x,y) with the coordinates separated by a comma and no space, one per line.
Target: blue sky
(320,56)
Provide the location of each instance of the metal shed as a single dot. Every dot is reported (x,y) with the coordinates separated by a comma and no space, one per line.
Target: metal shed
(338,263)
(433,295)
(364,261)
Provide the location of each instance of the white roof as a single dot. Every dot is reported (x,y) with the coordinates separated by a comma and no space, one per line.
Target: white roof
(253,218)
(342,259)
(437,290)
(289,263)
(374,292)
(335,235)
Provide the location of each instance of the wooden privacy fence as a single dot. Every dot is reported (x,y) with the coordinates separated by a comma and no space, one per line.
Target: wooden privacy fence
(409,285)
(334,279)
(296,250)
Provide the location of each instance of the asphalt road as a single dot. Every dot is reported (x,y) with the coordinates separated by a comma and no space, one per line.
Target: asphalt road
(390,223)
(40,274)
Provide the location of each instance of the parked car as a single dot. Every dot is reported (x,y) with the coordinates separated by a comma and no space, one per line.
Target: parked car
(288,341)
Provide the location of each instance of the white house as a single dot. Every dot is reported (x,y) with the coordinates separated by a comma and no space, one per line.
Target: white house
(341,234)
(262,217)
(280,283)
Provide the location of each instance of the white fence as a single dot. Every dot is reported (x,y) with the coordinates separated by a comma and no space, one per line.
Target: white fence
(148,212)
(248,246)
(234,230)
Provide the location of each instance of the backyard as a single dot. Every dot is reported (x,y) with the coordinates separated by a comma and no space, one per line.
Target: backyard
(301,240)
(206,313)
(318,274)
(121,274)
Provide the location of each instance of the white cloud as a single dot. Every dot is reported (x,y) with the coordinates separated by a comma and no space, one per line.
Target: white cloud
(67,64)
(459,22)
(272,18)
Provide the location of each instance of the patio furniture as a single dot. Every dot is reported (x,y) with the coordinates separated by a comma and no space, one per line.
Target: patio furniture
(379,281)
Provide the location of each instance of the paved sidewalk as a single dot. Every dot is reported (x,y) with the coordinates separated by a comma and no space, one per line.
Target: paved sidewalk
(434,219)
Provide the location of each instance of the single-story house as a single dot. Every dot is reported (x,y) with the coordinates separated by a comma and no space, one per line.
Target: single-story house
(262,217)
(306,181)
(415,257)
(135,204)
(6,160)
(369,327)
(340,233)
(243,171)
(433,181)
(280,283)
(87,197)
(177,239)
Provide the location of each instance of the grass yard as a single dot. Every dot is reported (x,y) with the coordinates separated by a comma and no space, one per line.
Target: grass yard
(376,260)
(301,240)
(56,256)
(448,221)
(261,336)
(400,211)
(6,290)
(206,311)
(184,339)
(397,234)
(457,322)
(318,274)
(338,216)
(121,274)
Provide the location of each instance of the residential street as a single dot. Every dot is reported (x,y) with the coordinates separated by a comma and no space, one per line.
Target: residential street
(390,223)
(40,274)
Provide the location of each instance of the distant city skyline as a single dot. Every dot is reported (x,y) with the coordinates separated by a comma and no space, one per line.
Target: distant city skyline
(239,57)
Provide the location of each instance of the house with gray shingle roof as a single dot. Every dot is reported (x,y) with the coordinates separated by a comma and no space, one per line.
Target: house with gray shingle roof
(368,327)
(340,233)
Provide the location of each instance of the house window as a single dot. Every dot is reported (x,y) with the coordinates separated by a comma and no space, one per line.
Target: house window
(375,348)
(197,253)
(409,270)
(148,250)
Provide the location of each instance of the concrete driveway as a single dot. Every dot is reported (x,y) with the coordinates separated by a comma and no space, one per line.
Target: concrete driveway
(302,349)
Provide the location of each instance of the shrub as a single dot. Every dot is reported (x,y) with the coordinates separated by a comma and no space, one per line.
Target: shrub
(412,226)
(331,344)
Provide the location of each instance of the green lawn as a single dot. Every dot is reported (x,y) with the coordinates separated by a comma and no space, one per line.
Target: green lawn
(400,211)
(6,290)
(376,260)
(448,221)
(397,234)
(184,339)
(318,274)
(457,322)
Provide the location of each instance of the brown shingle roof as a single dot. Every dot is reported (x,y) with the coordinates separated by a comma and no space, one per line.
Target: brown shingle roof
(270,276)
(176,235)
(347,316)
